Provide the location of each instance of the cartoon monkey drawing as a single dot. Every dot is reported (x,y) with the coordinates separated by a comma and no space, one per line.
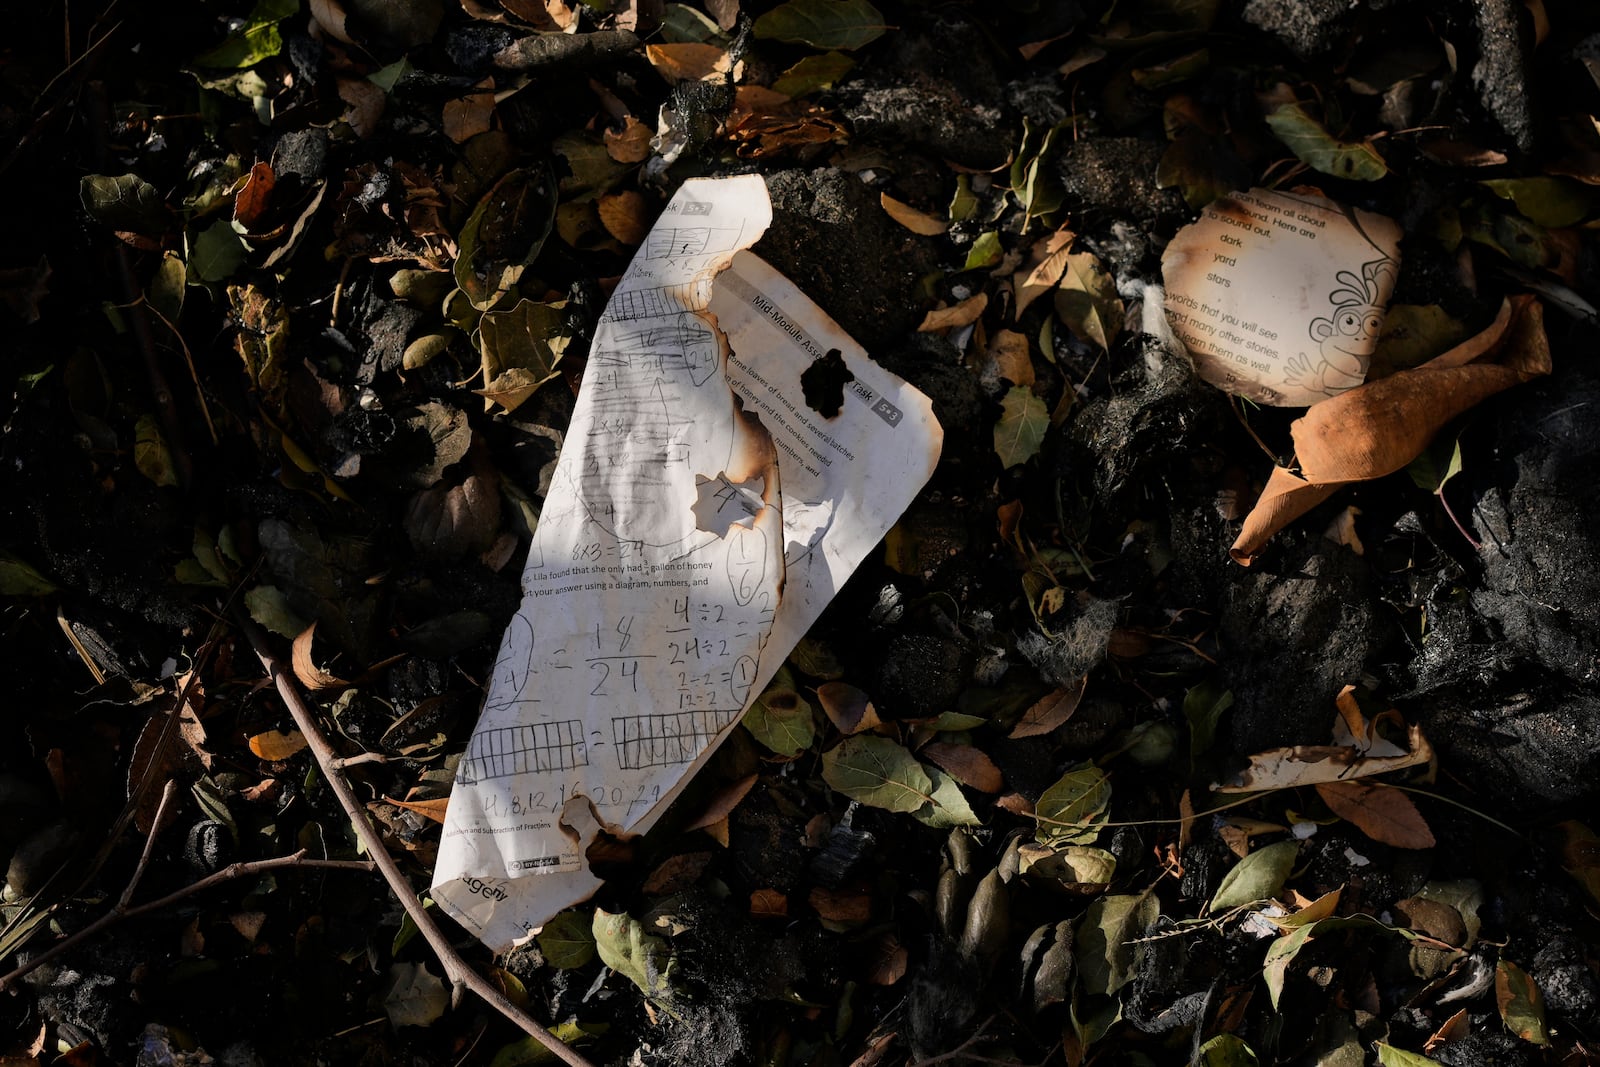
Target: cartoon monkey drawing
(1345,340)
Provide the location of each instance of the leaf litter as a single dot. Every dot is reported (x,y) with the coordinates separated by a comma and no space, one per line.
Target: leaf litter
(1054,651)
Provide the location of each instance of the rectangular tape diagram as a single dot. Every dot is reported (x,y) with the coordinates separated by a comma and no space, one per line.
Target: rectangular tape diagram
(665,740)
(545,746)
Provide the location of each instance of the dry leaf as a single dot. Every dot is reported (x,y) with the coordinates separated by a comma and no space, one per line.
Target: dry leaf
(847,707)
(723,803)
(470,115)
(1454,1028)
(888,960)
(965,764)
(250,203)
(1016,804)
(248,923)
(1381,812)
(768,904)
(845,907)
(429,809)
(912,219)
(626,216)
(305,668)
(275,745)
(687,62)
(632,145)
(1297,765)
(1357,751)
(1377,428)
(1050,263)
(1050,712)
(963,314)
(877,1050)
(677,873)
(1008,351)
(365,105)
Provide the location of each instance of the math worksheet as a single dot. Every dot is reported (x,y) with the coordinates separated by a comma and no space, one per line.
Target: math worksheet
(701,516)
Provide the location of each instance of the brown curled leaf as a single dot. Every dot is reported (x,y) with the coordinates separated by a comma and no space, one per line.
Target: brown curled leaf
(1377,428)
(305,668)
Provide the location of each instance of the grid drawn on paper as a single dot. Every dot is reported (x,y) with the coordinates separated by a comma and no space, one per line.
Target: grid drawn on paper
(666,242)
(544,746)
(657,302)
(665,740)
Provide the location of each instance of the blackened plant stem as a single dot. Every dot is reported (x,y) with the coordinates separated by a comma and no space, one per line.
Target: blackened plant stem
(456,969)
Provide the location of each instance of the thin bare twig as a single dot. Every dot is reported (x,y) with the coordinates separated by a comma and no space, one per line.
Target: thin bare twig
(121,912)
(456,969)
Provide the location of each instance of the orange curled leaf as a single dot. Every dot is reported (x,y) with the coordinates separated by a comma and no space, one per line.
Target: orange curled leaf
(428,809)
(1377,428)
(305,668)
(963,314)
(911,218)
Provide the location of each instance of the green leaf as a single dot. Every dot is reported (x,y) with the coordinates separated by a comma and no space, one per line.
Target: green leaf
(964,204)
(842,24)
(1521,1003)
(1087,301)
(1553,202)
(269,606)
(1069,812)
(986,251)
(645,960)
(1021,429)
(1275,966)
(781,719)
(415,997)
(1259,876)
(1436,464)
(529,1052)
(955,721)
(530,338)
(150,452)
(254,41)
(1076,865)
(878,772)
(948,806)
(1411,335)
(17,578)
(1309,140)
(1032,179)
(386,78)
(125,202)
(682,24)
(567,941)
(1106,951)
(217,252)
(1203,706)
(165,294)
(504,233)
(1389,1056)
(1226,1050)
(813,73)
